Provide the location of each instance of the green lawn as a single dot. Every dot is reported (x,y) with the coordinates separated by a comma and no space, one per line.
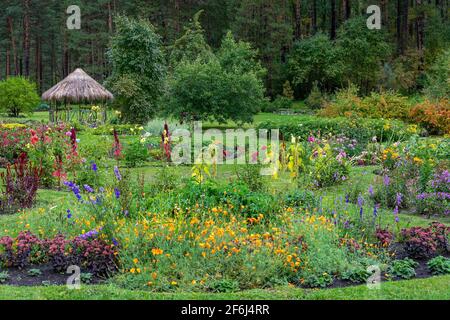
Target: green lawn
(436,288)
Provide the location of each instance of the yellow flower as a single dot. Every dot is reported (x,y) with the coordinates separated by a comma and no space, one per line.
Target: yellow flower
(133,270)
(157,252)
(154,275)
(174,283)
(135,260)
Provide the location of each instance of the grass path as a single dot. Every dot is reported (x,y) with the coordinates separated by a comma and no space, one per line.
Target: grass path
(436,288)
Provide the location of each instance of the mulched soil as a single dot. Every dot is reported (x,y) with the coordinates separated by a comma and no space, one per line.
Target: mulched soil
(20,277)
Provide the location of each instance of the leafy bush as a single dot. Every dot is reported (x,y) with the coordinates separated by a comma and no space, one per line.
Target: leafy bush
(422,243)
(4,276)
(346,103)
(438,77)
(385,237)
(404,269)
(136,153)
(303,199)
(439,265)
(279,103)
(224,285)
(85,251)
(315,60)
(328,167)
(18,95)
(227,86)
(138,69)
(34,272)
(436,198)
(316,98)
(250,175)
(387,105)
(356,275)
(318,281)
(434,116)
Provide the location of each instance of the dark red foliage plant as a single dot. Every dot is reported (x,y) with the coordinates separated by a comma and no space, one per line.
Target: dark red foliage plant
(385,237)
(20,185)
(92,255)
(423,243)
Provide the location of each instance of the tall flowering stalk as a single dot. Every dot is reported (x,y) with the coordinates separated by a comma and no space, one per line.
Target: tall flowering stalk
(117,146)
(165,141)
(59,170)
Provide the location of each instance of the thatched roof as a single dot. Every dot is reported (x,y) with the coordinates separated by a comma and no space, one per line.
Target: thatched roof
(78,87)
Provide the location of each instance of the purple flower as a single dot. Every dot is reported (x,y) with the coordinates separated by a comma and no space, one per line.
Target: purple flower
(117,173)
(94,167)
(396,210)
(371,190)
(114,241)
(375,210)
(69,214)
(398,199)
(74,188)
(88,188)
(89,234)
(347,198)
(386,180)
(360,201)
(117,193)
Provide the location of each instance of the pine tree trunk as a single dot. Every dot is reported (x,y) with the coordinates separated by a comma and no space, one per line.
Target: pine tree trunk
(298,20)
(333,20)
(13,46)
(314,16)
(26,38)
(420,33)
(8,64)
(347,9)
(385,11)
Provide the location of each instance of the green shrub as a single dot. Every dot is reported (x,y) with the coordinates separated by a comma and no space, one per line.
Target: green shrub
(251,175)
(438,77)
(316,98)
(439,265)
(4,276)
(18,95)
(318,281)
(135,154)
(403,268)
(356,275)
(303,199)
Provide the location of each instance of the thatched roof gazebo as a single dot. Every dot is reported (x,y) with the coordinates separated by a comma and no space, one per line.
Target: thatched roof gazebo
(78,88)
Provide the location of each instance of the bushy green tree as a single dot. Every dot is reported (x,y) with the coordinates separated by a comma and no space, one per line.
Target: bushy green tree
(18,95)
(239,57)
(438,77)
(225,87)
(138,69)
(192,45)
(315,59)
(362,51)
